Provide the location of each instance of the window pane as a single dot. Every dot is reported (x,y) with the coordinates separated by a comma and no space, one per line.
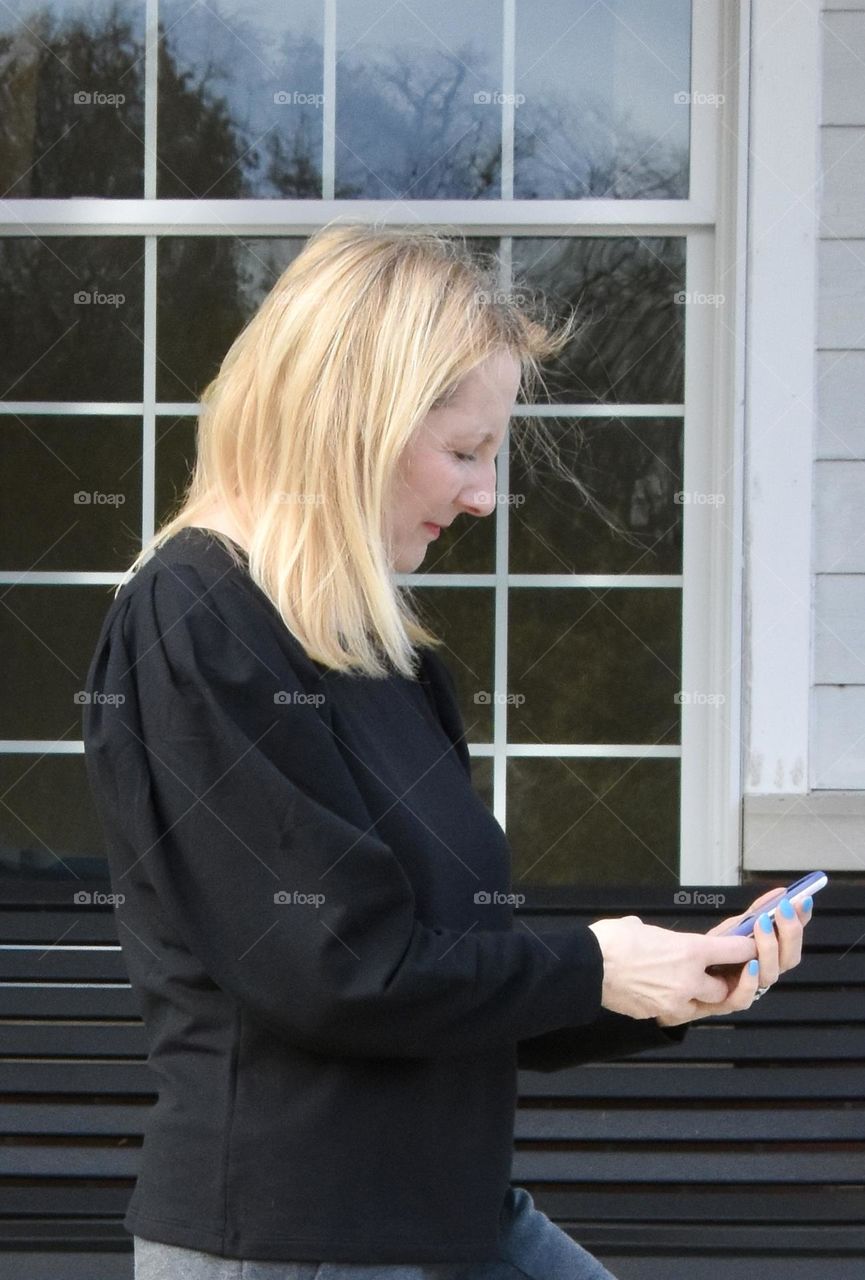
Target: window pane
(603,114)
(631,467)
(631,348)
(48,821)
(574,821)
(463,618)
(240,111)
(73,107)
(208,287)
(86,472)
(594,665)
(49,634)
(71,327)
(415,119)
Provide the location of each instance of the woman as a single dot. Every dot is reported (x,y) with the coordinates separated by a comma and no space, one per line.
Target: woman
(315,912)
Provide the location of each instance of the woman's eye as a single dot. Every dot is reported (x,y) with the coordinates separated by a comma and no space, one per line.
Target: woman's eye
(465,457)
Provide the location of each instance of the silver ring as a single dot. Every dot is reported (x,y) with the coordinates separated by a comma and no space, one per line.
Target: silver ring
(761,991)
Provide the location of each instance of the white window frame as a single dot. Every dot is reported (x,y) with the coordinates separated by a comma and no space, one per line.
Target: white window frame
(712,222)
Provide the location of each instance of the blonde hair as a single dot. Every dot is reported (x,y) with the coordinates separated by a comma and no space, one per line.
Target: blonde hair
(316,400)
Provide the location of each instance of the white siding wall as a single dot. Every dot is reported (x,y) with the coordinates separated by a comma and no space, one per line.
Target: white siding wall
(838,706)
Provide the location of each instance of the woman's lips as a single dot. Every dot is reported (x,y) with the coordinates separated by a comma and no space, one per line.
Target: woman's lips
(434,529)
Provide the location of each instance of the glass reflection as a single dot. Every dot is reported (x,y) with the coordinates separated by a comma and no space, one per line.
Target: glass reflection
(594,664)
(71,493)
(578,821)
(630,522)
(600,111)
(72,122)
(630,348)
(71,327)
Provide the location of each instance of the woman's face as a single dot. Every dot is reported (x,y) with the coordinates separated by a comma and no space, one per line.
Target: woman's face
(449,466)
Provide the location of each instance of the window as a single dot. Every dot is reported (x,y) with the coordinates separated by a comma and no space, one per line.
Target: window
(163,163)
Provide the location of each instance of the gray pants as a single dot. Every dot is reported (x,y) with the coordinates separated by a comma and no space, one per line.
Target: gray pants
(531,1248)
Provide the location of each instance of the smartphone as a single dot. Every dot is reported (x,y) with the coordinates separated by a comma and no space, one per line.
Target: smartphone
(801,889)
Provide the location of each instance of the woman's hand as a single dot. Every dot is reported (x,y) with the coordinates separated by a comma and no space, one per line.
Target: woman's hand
(662,973)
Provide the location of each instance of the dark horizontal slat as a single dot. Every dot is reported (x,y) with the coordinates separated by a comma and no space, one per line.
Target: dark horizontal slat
(62,964)
(713,1041)
(723,1237)
(87,1000)
(686,1124)
(596,1081)
(76,1040)
(636,1165)
(72,1118)
(64,1161)
(67,964)
(72,1265)
(71,925)
(730,1267)
(57,1198)
(72,1231)
(103,1000)
(60,1076)
(693,1203)
(704,1044)
(637,1080)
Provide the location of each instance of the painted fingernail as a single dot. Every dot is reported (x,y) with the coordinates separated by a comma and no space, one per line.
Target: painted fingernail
(787,908)
(766,923)
(807,904)
(753,967)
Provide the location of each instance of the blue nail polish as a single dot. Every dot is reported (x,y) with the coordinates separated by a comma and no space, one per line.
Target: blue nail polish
(766,923)
(753,967)
(807,904)
(787,908)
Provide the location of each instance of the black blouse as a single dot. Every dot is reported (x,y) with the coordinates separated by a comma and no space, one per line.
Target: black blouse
(315,922)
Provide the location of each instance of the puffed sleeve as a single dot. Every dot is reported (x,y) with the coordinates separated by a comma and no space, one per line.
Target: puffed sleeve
(220,785)
(611,1035)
